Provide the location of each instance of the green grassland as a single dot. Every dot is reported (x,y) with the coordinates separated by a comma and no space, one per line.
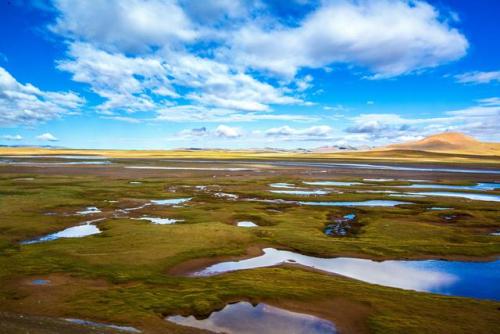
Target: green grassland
(125,274)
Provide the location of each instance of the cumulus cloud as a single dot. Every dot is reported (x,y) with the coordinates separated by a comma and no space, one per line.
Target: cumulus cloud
(216,84)
(47,137)
(481,120)
(25,104)
(146,83)
(123,119)
(379,123)
(221,131)
(125,25)
(477,77)
(12,137)
(196,113)
(126,83)
(227,131)
(318,132)
(195,132)
(224,55)
(389,37)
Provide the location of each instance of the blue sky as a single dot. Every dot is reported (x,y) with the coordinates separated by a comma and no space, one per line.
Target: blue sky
(246,74)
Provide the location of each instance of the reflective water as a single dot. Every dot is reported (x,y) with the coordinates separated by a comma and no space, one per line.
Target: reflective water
(340,226)
(385,167)
(229,169)
(80,231)
(485,186)
(89,210)
(226,195)
(246,224)
(160,221)
(378,180)
(407,195)
(244,318)
(439,208)
(301,192)
(361,203)
(345,165)
(171,201)
(51,164)
(282,185)
(40,282)
(102,325)
(332,183)
(479,197)
(444,277)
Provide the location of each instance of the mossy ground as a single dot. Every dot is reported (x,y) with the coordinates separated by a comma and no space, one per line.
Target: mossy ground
(122,275)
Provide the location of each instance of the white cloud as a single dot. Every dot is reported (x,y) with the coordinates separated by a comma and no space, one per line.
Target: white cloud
(478,77)
(318,132)
(389,37)
(196,113)
(123,119)
(195,132)
(215,11)
(481,120)
(12,137)
(125,25)
(217,61)
(227,131)
(26,104)
(146,83)
(216,84)
(490,101)
(47,137)
(126,83)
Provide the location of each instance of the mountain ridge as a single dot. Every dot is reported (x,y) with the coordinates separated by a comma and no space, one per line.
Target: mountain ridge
(449,142)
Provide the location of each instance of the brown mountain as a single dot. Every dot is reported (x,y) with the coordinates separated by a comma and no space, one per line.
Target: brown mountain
(450,142)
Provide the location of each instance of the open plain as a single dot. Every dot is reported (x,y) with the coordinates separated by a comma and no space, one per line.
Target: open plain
(117,241)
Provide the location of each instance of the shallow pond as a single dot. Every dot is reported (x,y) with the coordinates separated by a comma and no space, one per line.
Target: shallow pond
(361,203)
(385,167)
(79,231)
(486,186)
(55,164)
(300,192)
(244,318)
(414,195)
(437,276)
(340,226)
(282,185)
(246,224)
(229,169)
(160,221)
(40,282)
(333,183)
(478,197)
(226,195)
(128,329)
(171,201)
(89,210)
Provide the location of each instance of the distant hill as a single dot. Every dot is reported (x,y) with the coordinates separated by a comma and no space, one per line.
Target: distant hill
(334,148)
(449,142)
